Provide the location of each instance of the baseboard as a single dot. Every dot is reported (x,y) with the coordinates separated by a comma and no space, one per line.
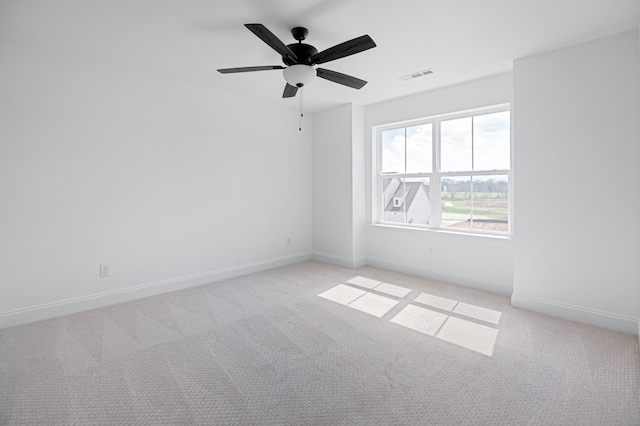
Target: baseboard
(70,306)
(576,313)
(445,276)
(339,260)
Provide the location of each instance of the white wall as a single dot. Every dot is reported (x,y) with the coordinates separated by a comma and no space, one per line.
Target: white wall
(172,184)
(359,170)
(481,262)
(577,170)
(338,186)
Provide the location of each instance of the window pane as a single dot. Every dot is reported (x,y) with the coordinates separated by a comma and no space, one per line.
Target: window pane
(455,145)
(417,201)
(393,151)
(419,149)
(456,202)
(406,201)
(491,136)
(491,203)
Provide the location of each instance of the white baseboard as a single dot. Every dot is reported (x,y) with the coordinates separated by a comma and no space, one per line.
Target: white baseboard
(79,304)
(345,262)
(576,313)
(446,276)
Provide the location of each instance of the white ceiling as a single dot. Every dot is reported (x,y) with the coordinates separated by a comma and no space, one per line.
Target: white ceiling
(188,40)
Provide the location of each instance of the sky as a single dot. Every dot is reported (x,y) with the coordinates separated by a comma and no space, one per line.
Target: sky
(478,143)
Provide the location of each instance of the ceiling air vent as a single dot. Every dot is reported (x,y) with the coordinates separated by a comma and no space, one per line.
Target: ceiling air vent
(416,74)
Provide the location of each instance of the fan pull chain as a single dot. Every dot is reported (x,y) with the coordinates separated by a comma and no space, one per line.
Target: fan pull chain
(301,110)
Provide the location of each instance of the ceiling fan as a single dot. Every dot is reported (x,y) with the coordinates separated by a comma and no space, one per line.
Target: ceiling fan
(300,59)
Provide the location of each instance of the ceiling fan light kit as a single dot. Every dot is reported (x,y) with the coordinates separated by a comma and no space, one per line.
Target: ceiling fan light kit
(300,59)
(299,75)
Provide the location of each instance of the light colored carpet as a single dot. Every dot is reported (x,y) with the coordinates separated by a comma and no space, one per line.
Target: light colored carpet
(265,349)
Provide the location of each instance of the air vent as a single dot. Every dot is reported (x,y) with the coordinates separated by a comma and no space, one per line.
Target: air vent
(416,74)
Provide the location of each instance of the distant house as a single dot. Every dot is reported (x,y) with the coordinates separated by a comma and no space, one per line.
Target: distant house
(406,202)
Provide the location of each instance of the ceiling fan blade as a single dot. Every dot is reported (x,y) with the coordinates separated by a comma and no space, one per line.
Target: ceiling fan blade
(289,91)
(341,50)
(340,78)
(250,69)
(274,42)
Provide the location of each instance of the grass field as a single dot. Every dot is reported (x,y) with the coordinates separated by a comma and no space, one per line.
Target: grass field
(467,195)
(486,205)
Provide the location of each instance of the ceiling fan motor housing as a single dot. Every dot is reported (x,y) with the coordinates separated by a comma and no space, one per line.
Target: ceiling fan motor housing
(303,51)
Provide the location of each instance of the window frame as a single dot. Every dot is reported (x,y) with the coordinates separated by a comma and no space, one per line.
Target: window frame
(435,176)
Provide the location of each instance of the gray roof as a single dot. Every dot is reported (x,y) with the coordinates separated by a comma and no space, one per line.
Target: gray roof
(386,182)
(411,189)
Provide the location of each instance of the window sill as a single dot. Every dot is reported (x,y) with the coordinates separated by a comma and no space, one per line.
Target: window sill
(486,237)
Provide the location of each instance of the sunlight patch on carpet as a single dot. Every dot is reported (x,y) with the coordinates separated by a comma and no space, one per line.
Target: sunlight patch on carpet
(364,282)
(419,319)
(476,312)
(342,294)
(393,290)
(469,335)
(445,326)
(436,301)
(373,304)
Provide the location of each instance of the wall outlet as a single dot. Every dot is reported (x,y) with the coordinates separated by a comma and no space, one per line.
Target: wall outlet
(105,270)
(287,241)
(429,251)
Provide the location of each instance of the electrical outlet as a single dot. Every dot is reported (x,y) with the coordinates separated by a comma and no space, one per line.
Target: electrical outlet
(105,270)
(429,251)
(287,241)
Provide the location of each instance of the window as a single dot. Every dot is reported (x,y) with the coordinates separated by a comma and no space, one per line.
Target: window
(447,172)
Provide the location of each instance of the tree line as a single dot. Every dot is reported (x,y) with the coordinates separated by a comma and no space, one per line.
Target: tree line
(485,185)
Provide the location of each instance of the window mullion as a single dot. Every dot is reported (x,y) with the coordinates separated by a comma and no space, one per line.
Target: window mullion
(473,166)
(404,181)
(472,169)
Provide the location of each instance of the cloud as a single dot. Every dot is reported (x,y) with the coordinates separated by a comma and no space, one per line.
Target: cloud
(484,138)
(491,141)
(393,150)
(455,145)
(419,149)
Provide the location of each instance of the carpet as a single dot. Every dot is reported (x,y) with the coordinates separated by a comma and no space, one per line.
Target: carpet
(267,349)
